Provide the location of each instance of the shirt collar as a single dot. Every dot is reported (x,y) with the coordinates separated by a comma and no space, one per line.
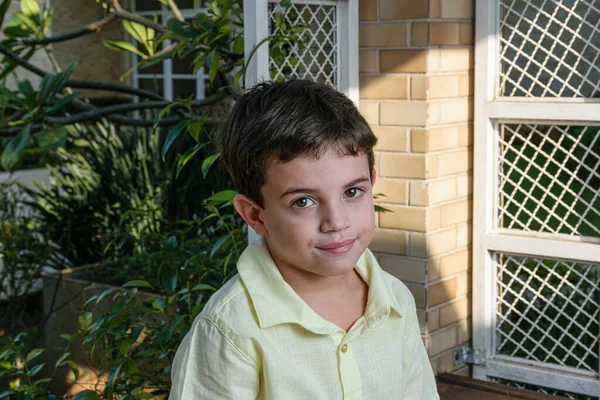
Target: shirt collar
(275,302)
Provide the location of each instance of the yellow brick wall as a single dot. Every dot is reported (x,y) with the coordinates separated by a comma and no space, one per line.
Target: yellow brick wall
(416,90)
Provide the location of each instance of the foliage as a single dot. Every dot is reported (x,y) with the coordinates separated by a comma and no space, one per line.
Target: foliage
(132,335)
(212,39)
(23,254)
(105,176)
(21,369)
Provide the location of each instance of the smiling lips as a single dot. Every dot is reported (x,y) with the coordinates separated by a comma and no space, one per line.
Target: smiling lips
(338,248)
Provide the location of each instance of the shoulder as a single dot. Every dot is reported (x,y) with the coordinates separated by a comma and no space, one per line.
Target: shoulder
(228,317)
(230,305)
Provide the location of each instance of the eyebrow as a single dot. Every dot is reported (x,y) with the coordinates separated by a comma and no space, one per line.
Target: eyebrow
(310,191)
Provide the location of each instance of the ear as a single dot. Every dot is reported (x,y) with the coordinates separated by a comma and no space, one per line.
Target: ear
(373,178)
(250,212)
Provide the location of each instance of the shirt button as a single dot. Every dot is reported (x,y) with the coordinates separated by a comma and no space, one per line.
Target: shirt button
(344,348)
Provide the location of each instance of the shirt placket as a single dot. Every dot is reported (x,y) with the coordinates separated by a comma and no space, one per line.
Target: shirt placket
(347,365)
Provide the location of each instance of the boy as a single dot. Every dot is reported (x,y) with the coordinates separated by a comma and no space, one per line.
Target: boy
(310,315)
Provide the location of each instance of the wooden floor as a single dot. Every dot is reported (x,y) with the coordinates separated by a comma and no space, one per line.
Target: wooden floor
(455,387)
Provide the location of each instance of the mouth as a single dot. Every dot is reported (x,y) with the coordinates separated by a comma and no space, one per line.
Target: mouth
(338,248)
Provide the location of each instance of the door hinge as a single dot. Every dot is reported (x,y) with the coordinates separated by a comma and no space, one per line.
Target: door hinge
(468,355)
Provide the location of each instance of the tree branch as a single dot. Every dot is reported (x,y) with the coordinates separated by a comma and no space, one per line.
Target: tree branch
(76,84)
(119,119)
(95,114)
(113,87)
(175,10)
(19,61)
(85,30)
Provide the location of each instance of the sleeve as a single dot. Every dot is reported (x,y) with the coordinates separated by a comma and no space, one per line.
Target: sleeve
(208,365)
(418,380)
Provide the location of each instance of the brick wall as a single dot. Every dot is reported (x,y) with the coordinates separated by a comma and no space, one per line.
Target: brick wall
(96,62)
(416,88)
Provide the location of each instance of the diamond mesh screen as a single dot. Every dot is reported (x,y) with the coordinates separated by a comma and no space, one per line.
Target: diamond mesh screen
(539,389)
(547,311)
(316,57)
(550,179)
(550,48)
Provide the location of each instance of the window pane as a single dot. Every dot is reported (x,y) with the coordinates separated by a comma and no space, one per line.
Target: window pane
(183,88)
(153,85)
(183,66)
(187,4)
(152,69)
(147,5)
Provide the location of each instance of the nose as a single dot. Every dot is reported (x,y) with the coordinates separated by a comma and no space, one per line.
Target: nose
(335,218)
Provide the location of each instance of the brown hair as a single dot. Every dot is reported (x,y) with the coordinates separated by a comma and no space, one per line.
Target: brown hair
(284,120)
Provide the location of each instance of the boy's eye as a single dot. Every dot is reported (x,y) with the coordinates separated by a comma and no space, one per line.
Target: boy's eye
(353,192)
(302,203)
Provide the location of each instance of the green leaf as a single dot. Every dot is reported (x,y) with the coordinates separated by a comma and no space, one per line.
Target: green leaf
(222,240)
(162,113)
(68,337)
(104,294)
(187,156)
(123,45)
(30,8)
(14,149)
(61,360)
(124,347)
(7,393)
(138,283)
(62,102)
(214,66)
(158,304)
(195,126)
(131,368)
(135,334)
(169,280)
(223,196)
(85,320)
(33,354)
(73,368)
(54,139)
(130,70)
(141,33)
(208,162)
(4,4)
(203,286)
(15,32)
(381,209)
(7,353)
(87,395)
(187,103)
(36,369)
(238,45)
(26,88)
(173,134)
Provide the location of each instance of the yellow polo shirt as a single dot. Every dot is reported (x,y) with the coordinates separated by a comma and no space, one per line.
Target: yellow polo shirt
(257,339)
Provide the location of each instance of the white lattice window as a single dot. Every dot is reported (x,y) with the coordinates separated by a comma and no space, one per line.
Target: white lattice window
(330,43)
(536,233)
(172,78)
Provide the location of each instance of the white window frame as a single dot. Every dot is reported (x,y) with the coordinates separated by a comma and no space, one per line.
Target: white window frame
(490,110)
(256,29)
(167,74)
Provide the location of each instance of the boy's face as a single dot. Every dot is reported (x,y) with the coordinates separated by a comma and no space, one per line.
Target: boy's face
(318,217)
